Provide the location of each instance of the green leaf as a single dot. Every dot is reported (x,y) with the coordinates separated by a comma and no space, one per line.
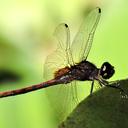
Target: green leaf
(106,108)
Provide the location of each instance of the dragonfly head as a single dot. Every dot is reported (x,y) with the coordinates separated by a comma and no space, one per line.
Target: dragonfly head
(106,70)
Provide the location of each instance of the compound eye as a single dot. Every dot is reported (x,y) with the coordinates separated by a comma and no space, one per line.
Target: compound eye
(107,70)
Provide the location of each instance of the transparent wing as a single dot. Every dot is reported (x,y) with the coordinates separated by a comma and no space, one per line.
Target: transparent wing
(60,96)
(62,33)
(63,99)
(61,57)
(83,40)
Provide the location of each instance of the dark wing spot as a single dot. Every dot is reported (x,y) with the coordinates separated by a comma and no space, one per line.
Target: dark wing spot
(99,10)
(66,25)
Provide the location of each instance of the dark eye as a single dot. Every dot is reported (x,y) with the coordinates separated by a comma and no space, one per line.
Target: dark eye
(107,70)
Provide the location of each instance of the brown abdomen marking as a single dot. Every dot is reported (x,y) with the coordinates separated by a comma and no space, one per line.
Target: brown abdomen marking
(61,72)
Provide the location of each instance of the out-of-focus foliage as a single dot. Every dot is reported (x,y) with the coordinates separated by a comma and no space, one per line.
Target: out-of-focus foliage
(26,29)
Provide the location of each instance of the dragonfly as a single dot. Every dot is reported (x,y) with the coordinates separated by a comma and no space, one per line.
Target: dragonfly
(69,60)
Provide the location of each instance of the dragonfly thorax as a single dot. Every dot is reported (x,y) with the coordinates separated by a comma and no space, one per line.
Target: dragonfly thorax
(84,70)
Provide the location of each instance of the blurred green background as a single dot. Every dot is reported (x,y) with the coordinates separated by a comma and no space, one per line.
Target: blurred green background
(26,29)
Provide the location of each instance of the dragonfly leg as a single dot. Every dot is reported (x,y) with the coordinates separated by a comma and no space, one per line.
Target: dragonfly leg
(101,85)
(116,86)
(92,85)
